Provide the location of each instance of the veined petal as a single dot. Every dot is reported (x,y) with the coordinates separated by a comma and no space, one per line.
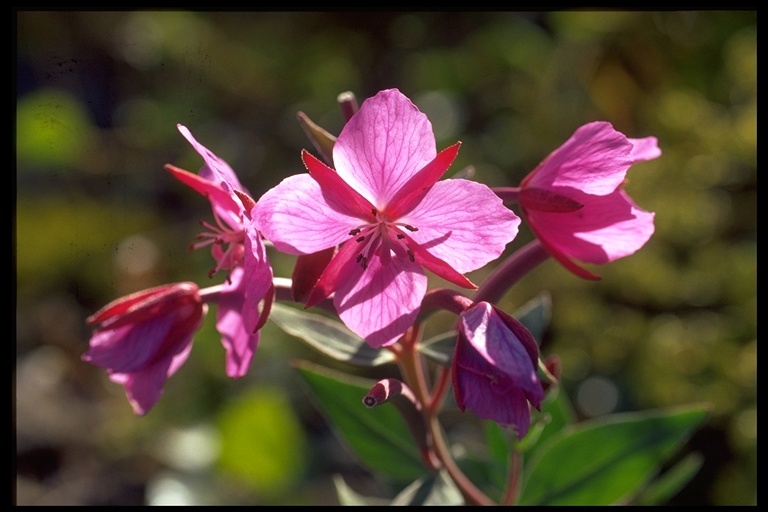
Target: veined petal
(595,159)
(607,228)
(296,217)
(437,266)
(385,143)
(381,302)
(336,270)
(497,345)
(463,223)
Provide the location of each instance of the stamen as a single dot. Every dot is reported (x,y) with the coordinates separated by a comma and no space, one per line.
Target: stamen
(354,232)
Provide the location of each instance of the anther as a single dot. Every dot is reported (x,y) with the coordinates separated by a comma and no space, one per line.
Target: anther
(410,255)
(360,239)
(410,228)
(354,232)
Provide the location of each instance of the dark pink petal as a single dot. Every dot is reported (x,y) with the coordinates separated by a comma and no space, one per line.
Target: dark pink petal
(595,160)
(547,201)
(221,201)
(383,145)
(436,265)
(462,223)
(307,271)
(607,228)
(381,302)
(414,190)
(335,189)
(297,217)
(337,269)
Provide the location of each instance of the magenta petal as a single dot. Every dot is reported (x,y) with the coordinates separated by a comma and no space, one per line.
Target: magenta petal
(463,223)
(239,342)
(221,201)
(144,388)
(385,143)
(595,160)
(645,149)
(414,190)
(336,191)
(297,219)
(381,302)
(215,168)
(607,228)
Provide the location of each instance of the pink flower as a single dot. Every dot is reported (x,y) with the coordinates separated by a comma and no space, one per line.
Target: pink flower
(391,215)
(494,367)
(143,338)
(244,249)
(230,202)
(575,201)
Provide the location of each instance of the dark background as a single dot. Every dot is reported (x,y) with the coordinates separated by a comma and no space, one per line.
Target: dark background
(98,98)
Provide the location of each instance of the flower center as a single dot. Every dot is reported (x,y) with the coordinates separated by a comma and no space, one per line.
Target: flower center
(227,244)
(384,236)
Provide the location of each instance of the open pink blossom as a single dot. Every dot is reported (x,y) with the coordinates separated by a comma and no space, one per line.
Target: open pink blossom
(575,202)
(391,215)
(494,367)
(230,202)
(143,338)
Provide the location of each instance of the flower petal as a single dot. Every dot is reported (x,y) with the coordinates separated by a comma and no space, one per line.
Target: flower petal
(463,223)
(240,342)
(595,159)
(215,168)
(381,302)
(645,149)
(385,143)
(336,191)
(607,228)
(296,217)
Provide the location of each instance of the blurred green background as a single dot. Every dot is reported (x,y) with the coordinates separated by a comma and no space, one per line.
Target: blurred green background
(98,98)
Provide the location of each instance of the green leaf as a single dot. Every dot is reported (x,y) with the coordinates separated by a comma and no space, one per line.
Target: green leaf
(348,497)
(378,436)
(535,315)
(440,348)
(328,336)
(556,413)
(671,481)
(607,460)
(433,489)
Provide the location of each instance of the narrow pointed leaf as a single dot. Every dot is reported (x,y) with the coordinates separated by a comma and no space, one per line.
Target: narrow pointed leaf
(535,315)
(440,348)
(671,481)
(349,497)
(608,460)
(379,436)
(433,489)
(329,336)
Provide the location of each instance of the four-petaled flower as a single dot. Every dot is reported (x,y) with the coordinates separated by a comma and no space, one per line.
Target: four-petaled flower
(143,338)
(391,216)
(575,202)
(234,230)
(494,367)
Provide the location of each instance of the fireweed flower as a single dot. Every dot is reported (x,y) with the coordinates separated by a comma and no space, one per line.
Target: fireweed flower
(236,242)
(143,338)
(575,202)
(391,215)
(494,367)
(218,182)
